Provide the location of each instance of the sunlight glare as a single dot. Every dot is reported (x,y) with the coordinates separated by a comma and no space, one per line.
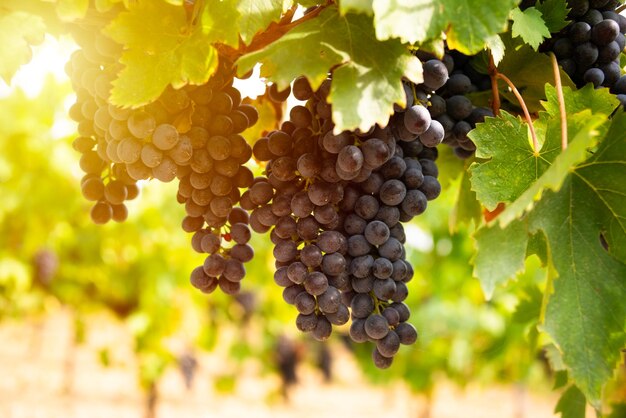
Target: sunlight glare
(48,58)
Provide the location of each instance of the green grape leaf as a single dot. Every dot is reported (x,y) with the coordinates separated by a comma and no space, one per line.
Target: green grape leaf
(357,6)
(554,13)
(467,208)
(18,31)
(581,125)
(555,359)
(618,410)
(586,136)
(218,19)
(586,314)
(69,10)
(308,3)
(529,307)
(561,379)
(450,166)
(500,254)
(527,70)
(417,20)
(511,165)
(497,48)
(349,44)
(512,168)
(258,15)
(162,48)
(579,100)
(105,5)
(530,26)
(572,403)
(537,245)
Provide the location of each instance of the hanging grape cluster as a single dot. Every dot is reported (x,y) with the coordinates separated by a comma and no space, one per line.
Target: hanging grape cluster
(334,203)
(451,107)
(588,48)
(191,134)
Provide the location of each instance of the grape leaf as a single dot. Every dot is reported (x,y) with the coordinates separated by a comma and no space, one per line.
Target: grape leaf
(467,208)
(162,48)
(618,410)
(268,120)
(537,245)
(258,15)
(105,5)
(307,3)
(218,19)
(367,75)
(586,314)
(69,10)
(554,13)
(357,6)
(553,177)
(529,307)
(511,165)
(18,31)
(572,403)
(496,47)
(530,26)
(509,240)
(417,20)
(555,360)
(500,254)
(512,168)
(579,100)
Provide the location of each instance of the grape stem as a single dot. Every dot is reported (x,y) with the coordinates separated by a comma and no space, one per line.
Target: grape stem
(621,8)
(493,72)
(273,32)
(520,99)
(559,92)
(376,302)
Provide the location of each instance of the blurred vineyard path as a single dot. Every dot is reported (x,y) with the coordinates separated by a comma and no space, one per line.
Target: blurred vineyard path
(34,368)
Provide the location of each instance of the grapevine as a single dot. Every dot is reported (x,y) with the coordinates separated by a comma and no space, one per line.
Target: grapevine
(377,111)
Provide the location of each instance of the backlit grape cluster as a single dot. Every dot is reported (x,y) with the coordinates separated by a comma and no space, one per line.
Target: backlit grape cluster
(191,134)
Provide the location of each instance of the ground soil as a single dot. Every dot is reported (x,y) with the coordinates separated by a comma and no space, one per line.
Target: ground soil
(42,375)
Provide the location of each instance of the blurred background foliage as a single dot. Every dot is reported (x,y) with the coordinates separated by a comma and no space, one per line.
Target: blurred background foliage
(52,256)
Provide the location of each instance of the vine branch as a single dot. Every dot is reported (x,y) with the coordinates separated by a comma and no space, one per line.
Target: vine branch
(493,73)
(559,92)
(520,99)
(277,29)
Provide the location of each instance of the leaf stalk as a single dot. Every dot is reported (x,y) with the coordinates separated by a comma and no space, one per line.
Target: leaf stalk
(559,92)
(520,99)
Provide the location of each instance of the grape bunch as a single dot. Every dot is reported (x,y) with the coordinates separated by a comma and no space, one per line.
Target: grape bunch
(192,134)
(333,204)
(106,181)
(588,49)
(450,106)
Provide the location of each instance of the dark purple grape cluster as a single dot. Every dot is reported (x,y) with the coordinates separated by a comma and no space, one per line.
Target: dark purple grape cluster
(192,134)
(589,47)
(333,203)
(450,106)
